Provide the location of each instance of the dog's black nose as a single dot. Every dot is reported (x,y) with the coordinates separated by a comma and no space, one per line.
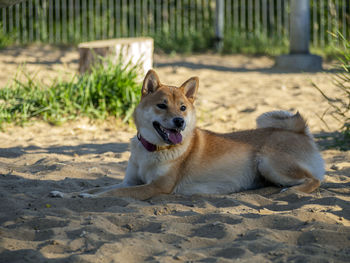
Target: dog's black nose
(179,122)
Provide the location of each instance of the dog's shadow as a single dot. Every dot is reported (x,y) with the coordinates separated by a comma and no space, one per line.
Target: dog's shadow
(81,149)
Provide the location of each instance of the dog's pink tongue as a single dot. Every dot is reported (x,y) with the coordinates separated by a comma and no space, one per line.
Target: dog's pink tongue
(175,137)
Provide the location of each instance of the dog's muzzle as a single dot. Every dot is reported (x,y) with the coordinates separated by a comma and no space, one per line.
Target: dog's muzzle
(171,135)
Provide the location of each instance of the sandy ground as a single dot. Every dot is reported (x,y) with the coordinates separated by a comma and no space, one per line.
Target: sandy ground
(263,225)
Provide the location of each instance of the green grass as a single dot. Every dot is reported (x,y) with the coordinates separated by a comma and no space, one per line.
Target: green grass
(254,44)
(233,43)
(339,107)
(5,39)
(251,43)
(108,90)
(192,42)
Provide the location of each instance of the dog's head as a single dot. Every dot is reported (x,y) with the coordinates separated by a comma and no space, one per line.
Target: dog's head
(166,114)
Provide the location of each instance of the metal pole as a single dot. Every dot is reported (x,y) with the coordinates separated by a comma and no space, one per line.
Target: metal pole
(300,27)
(219,24)
(299,58)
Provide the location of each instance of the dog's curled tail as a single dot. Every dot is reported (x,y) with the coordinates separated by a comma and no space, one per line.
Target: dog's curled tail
(283,120)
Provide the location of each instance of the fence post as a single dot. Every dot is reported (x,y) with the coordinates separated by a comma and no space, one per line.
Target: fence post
(300,27)
(219,24)
(299,58)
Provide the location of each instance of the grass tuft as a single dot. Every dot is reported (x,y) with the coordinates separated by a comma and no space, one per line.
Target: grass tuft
(339,107)
(110,89)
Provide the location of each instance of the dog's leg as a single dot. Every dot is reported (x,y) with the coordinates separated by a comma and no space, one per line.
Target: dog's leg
(130,179)
(162,185)
(97,191)
(91,192)
(282,171)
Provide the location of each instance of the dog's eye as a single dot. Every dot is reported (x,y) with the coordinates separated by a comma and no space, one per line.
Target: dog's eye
(162,106)
(183,108)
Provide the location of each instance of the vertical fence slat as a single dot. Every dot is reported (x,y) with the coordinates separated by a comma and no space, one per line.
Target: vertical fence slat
(158,12)
(264,16)
(123,18)
(11,19)
(37,20)
(344,19)
(250,16)
(50,28)
(314,22)
(24,22)
(18,32)
(272,17)
(192,16)
(138,15)
(64,21)
(172,15)
(70,31)
(57,21)
(4,20)
(199,8)
(286,17)
(329,19)
(336,21)
(228,15)
(322,23)
(186,15)
(257,16)
(143,18)
(104,19)
(131,24)
(236,15)
(166,25)
(96,20)
(243,18)
(85,24)
(78,17)
(30,24)
(44,22)
(111,19)
(279,17)
(178,17)
(89,14)
(118,18)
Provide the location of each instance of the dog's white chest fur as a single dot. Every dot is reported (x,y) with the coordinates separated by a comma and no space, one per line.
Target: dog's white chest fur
(145,166)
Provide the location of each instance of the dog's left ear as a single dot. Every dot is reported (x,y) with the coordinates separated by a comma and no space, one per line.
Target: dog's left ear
(151,83)
(190,88)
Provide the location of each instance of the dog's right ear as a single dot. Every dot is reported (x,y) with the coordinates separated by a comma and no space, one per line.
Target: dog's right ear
(151,83)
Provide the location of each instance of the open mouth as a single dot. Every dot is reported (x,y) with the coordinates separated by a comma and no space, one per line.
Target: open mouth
(170,136)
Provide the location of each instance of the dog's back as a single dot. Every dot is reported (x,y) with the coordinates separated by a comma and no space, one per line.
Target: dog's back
(282,150)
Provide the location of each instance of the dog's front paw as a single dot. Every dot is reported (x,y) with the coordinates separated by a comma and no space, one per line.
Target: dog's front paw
(86,195)
(56,194)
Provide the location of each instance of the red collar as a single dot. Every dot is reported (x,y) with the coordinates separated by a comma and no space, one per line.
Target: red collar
(150,146)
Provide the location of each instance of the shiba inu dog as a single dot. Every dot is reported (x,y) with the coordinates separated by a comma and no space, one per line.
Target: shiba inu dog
(170,155)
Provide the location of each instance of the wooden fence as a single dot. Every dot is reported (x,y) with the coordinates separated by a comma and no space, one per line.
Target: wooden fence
(72,21)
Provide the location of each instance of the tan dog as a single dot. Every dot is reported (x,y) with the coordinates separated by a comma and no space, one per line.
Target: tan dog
(170,155)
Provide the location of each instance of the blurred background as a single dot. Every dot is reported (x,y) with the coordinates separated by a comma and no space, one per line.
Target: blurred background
(249,26)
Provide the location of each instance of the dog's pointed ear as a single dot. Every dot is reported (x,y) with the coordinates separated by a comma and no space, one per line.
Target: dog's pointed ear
(151,83)
(190,87)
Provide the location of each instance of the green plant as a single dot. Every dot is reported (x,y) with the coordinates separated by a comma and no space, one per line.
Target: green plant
(108,90)
(339,107)
(254,43)
(192,41)
(5,39)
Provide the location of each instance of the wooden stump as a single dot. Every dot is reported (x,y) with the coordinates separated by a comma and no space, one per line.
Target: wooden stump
(134,50)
